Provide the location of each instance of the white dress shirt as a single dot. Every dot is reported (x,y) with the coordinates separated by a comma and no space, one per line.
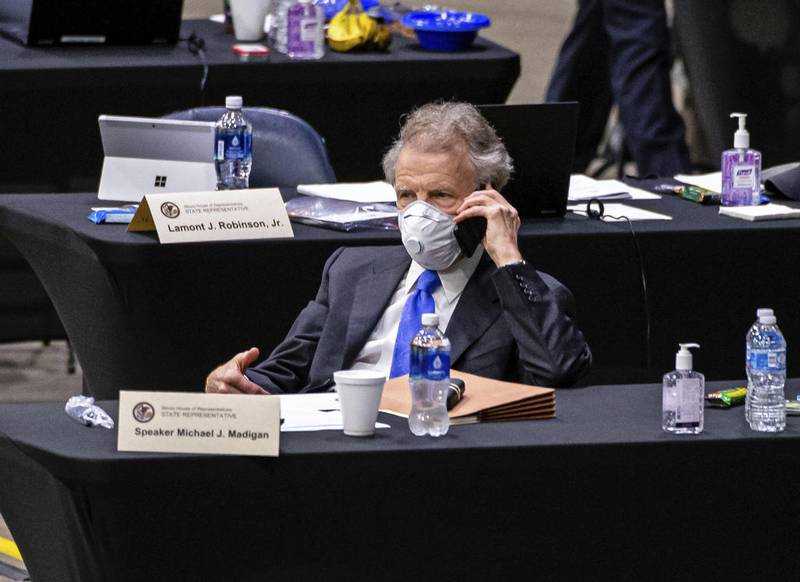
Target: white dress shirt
(378,351)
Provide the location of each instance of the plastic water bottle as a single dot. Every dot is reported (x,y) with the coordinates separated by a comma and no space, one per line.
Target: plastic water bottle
(233,138)
(429,378)
(765,407)
(305,36)
(760,312)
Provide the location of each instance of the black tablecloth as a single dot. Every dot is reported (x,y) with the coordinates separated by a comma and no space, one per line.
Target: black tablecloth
(597,493)
(146,316)
(52,96)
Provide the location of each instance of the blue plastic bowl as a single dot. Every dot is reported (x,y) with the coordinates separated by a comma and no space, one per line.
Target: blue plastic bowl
(444,30)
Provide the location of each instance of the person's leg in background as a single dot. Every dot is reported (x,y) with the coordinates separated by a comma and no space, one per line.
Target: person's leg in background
(581,74)
(640,81)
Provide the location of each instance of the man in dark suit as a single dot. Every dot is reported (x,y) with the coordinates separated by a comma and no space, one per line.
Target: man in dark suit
(505,320)
(618,52)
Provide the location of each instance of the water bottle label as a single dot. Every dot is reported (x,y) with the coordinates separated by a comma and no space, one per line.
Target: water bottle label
(234,146)
(768,361)
(430,365)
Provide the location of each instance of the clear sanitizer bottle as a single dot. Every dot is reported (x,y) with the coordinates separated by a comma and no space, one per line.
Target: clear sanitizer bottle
(683,396)
(741,170)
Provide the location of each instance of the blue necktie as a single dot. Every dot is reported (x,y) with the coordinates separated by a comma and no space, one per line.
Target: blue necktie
(420,301)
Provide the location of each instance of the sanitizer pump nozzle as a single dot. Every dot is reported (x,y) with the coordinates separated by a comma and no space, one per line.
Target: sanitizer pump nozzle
(683,359)
(741,139)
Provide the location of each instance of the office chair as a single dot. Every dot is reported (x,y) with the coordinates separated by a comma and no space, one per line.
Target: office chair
(287,151)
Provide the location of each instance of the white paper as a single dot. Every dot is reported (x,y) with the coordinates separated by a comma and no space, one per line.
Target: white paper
(763,212)
(362,192)
(311,412)
(712,181)
(620,210)
(584,188)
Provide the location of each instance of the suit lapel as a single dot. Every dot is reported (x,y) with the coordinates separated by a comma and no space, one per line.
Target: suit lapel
(371,297)
(478,307)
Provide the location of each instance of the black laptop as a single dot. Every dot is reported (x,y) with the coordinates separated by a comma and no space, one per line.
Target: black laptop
(541,140)
(106,22)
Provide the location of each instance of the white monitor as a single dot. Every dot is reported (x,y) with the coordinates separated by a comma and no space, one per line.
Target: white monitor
(152,155)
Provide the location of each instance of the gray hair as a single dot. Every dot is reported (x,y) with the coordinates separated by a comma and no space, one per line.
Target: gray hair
(442,126)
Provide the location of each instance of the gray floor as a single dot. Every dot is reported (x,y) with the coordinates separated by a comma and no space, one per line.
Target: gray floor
(534,28)
(30,372)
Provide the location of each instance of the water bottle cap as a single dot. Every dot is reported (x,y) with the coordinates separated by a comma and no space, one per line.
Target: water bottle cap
(429,319)
(768,319)
(762,311)
(233,101)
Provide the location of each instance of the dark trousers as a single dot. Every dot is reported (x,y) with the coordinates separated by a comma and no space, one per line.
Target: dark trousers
(619,52)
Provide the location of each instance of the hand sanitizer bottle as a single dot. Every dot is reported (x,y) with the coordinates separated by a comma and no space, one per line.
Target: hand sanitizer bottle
(305,35)
(741,170)
(683,396)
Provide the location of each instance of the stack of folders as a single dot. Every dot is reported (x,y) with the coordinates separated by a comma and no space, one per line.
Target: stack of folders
(485,400)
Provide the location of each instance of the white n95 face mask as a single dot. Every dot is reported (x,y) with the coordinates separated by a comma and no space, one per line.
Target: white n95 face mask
(428,235)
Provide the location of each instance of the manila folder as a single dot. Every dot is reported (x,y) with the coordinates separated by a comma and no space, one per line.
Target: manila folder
(484,400)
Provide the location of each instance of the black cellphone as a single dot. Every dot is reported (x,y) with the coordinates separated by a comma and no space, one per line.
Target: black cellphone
(470,232)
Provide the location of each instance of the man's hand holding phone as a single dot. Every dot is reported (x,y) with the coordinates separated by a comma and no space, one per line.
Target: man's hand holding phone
(502,224)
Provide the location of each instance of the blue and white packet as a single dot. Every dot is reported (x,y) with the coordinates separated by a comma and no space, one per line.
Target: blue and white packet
(113,215)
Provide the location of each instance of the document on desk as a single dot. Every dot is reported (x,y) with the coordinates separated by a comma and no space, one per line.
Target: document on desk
(712,181)
(583,188)
(363,192)
(619,210)
(769,211)
(311,412)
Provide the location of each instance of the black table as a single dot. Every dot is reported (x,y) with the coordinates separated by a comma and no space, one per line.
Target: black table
(599,493)
(146,316)
(51,97)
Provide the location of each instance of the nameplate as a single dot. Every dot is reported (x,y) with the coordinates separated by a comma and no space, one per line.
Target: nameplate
(208,216)
(184,422)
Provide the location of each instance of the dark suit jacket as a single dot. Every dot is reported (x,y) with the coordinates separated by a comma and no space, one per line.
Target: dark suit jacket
(511,324)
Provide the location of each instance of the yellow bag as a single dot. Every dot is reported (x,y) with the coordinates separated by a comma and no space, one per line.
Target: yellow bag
(353,28)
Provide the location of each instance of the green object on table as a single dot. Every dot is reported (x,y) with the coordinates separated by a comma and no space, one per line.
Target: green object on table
(727,398)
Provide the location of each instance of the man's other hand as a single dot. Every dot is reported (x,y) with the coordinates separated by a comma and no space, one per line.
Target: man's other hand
(229,378)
